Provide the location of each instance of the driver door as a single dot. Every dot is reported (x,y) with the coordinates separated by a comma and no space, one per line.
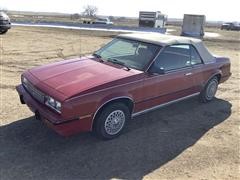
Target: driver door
(169,77)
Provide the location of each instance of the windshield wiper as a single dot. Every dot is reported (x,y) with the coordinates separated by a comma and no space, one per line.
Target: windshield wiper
(115,61)
(98,56)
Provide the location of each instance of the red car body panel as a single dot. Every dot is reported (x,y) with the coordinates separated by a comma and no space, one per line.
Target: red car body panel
(84,85)
(78,75)
(54,120)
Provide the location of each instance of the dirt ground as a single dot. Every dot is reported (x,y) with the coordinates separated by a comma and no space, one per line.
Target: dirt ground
(187,140)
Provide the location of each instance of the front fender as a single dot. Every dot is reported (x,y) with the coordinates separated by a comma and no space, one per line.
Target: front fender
(113,97)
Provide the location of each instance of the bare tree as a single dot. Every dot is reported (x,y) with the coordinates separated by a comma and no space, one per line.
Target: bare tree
(75,16)
(90,11)
(111,18)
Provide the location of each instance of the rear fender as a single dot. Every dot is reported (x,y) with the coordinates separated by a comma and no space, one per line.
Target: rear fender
(217,73)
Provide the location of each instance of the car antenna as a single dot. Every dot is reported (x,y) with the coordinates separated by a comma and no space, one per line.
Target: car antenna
(80,46)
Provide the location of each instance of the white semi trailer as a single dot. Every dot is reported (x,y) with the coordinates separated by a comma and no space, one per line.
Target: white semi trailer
(152,19)
(193,25)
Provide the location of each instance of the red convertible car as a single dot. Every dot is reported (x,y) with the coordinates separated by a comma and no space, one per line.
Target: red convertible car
(131,75)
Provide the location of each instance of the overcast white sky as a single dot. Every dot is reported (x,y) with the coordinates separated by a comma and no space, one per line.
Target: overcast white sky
(222,10)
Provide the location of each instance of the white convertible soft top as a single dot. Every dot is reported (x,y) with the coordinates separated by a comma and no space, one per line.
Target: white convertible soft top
(165,40)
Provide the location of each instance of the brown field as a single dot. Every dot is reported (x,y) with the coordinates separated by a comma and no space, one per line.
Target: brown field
(187,140)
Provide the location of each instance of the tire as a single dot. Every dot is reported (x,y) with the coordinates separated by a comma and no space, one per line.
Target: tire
(3,31)
(106,126)
(209,91)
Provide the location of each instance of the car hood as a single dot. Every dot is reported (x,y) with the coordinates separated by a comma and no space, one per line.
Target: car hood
(71,77)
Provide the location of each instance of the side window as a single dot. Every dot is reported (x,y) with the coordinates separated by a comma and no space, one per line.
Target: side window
(174,57)
(195,57)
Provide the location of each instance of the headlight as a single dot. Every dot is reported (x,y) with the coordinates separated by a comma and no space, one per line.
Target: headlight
(40,96)
(58,105)
(53,104)
(24,80)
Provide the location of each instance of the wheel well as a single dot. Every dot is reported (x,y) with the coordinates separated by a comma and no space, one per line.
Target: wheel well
(126,101)
(218,77)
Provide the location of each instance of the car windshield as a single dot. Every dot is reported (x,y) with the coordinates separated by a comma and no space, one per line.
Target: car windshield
(129,53)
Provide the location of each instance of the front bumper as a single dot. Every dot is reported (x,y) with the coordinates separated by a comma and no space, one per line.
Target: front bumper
(64,127)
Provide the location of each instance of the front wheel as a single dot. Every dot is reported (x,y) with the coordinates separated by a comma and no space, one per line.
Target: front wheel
(111,121)
(209,91)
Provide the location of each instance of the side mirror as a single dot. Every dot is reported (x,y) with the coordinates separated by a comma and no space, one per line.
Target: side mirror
(156,70)
(135,45)
(161,71)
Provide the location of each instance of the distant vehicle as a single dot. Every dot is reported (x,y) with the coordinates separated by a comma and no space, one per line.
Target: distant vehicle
(193,25)
(5,23)
(86,20)
(152,19)
(103,21)
(131,75)
(235,26)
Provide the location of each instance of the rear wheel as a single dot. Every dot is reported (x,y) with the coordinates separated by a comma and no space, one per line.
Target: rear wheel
(209,91)
(111,121)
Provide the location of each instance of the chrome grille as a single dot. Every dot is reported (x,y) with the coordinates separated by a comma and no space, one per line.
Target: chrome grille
(38,95)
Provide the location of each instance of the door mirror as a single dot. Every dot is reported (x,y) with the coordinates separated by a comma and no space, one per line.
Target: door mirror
(156,70)
(135,45)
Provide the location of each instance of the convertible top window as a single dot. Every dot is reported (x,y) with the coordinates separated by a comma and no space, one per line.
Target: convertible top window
(195,57)
(131,53)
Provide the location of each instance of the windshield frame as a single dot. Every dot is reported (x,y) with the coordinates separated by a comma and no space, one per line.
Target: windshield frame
(145,67)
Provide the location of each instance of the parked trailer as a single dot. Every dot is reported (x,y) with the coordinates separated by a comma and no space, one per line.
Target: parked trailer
(152,19)
(193,25)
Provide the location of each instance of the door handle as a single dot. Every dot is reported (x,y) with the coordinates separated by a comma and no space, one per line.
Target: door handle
(188,74)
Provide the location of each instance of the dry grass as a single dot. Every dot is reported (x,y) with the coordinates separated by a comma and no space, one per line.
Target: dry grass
(185,140)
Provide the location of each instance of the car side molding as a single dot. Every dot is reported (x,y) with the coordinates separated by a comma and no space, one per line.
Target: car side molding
(164,104)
